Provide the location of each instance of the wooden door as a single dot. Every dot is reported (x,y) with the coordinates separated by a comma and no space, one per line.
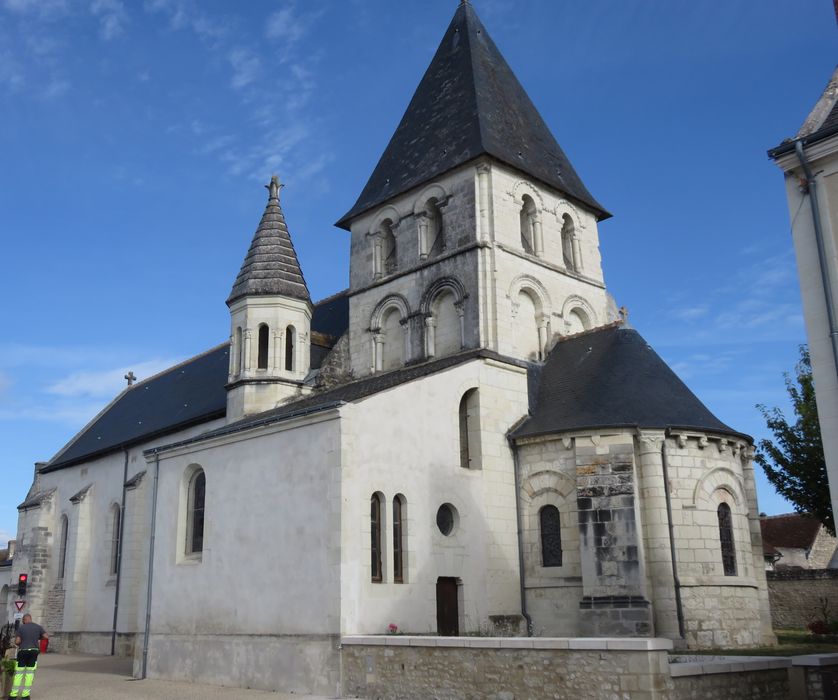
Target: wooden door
(447,612)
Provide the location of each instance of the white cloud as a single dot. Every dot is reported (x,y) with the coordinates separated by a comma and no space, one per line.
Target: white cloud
(55,89)
(105,382)
(246,66)
(112,17)
(45,9)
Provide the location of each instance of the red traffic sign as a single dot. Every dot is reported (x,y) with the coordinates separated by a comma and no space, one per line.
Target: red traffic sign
(19,604)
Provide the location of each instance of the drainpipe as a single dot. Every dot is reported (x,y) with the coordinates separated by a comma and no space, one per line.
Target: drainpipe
(679,609)
(150,562)
(810,189)
(119,537)
(516,467)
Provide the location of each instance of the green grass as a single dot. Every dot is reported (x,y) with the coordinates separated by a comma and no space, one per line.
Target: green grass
(790,643)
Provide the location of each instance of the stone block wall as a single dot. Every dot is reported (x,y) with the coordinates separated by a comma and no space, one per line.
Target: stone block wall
(796,596)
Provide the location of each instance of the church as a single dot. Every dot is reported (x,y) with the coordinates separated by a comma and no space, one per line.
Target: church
(469,440)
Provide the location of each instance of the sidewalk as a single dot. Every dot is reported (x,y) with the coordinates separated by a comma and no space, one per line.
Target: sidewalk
(63,677)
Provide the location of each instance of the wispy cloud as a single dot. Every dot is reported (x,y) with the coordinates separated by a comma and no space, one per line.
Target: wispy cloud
(44,9)
(246,66)
(105,382)
(112,17)
(56,88)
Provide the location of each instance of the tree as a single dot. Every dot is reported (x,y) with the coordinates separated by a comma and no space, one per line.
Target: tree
(794,461)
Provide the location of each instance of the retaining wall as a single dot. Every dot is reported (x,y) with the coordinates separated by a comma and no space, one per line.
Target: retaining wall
(796,596)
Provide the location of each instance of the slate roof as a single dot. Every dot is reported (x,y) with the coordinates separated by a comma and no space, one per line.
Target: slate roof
(34,500)
(792,531)
(469,103)
(271,266)
(611,377)
(821,123)
(187,394)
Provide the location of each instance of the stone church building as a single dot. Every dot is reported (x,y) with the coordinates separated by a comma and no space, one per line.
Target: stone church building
(467,440)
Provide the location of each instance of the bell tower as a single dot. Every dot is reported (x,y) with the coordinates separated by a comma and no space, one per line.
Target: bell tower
(270,319)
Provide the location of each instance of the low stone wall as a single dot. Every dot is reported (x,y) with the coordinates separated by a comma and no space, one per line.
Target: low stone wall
(796,596)
(730,678)
(814,677)
(492,668)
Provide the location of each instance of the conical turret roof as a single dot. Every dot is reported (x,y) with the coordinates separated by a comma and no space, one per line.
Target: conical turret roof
(469,103)
(271,266)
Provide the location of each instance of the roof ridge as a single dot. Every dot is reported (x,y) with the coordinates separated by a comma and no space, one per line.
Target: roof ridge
(608,326)
(334,296)
(163,372)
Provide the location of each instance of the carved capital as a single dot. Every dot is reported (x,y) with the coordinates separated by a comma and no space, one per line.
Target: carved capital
(651,442)
(703,442)
(567,442)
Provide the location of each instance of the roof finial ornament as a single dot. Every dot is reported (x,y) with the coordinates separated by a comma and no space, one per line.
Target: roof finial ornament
(273,187)
(464,2)
(131,378)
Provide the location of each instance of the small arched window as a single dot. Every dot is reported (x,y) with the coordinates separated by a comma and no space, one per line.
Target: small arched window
(398,538)
(290,341)
(115,524)
(62,548)
(262,360)
(435,237)
(195,513)
(469,430)
(568,254)
(388,247)
(239,354)
(726,539)
(528,213)
(377,572)
(550,527)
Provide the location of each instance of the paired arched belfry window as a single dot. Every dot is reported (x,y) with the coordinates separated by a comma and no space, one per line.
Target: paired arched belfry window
(195,513)
(398,538)
(550,528)
(726,539)
(376,569)
(62,548)
(262,359)
(116,523)
(290,341)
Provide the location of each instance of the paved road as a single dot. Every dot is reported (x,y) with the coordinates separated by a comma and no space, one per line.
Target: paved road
(62,677)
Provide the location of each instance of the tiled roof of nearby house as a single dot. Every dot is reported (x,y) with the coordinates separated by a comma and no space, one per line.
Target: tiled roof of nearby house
(792,531)
(187,394)
(469,103)
(271,266)
(611,377)
(821,123)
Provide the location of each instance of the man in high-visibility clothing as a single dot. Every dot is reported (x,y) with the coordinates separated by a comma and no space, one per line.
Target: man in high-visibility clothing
(27,638)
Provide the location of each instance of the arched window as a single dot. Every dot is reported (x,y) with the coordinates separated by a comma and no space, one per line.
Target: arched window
(398,538)
(551,536)
(262,361)
(239,354)
(568,253)
(115,524)
(388,247)
(392,351)
(577,321)
(528,214)
(195,513)
(290,340)
(435,237)
(469,430)
(527,338)
(62,547)
(377,572)
(726,539)
(448,336)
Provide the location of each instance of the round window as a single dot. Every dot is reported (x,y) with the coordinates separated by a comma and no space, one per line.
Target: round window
(446,518)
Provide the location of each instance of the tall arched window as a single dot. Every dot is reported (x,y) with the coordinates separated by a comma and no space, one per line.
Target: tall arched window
(239,354)
(568,256)
(377,571)
(392,351)
(115,524)
(398,538)
(435,237)
(262,361)
(550,527)
(290,340)
(528,213)
(195,513)
(469,430)
(448,336)
(527,339)
(726,539)
(388,247)
(62,547)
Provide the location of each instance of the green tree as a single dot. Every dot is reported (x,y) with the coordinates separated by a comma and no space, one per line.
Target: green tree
(793,461)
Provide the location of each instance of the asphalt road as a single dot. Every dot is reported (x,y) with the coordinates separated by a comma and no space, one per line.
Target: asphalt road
(62,677)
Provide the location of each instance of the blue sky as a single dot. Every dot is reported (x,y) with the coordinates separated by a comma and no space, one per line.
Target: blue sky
(135,138)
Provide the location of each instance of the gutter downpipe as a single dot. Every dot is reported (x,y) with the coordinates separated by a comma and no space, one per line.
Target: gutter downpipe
(516,468)
(811,190)
(679,609)
(119,544)
(150,562)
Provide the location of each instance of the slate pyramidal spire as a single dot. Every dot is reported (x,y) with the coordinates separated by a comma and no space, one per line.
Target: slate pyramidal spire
(468,104)
(271,267)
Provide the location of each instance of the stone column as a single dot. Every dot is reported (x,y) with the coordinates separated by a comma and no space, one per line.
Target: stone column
(424,245)
(542,338)
(430,336)
(658,549)
(537,236)
(461,314)
(613,600)
(483,171)
(577,254)
(233,358)
(378,351)
(405,324)
(277,361)
(248,334)
(377,262)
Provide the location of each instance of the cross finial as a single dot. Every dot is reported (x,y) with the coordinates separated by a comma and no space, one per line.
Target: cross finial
(131,378)
(624,313)
(273,187)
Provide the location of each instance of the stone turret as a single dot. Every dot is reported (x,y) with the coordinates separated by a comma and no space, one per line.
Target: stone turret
(270,319)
